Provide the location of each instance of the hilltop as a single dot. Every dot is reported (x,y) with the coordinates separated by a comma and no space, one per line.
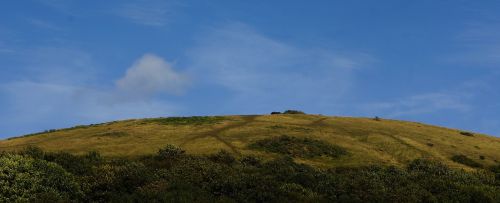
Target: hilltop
(367,141)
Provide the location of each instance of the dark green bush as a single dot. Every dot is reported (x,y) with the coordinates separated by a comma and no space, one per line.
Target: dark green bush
(170,152)
(194,120)
(298,147)
(34,134)
(250,161)
(112,134)
(223,156)
(75,164)
(496,171)
(293,112)
(114,180)
(222,177)
(465,161)
(33,152)
(469,134)
(24,179)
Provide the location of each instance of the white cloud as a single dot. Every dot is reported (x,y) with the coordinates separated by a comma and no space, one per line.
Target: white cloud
(147,12)
(44,102)
(491,125)
(270,72)
(151,74)
(470,105)
(63,6)
(479,45)
(6,50)
(45,24)
(429,103)
(5,36)
(56,65)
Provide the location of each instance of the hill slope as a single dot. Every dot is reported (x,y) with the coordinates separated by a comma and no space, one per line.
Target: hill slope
(367,141)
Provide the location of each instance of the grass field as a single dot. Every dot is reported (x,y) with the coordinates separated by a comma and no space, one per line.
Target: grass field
(366,140)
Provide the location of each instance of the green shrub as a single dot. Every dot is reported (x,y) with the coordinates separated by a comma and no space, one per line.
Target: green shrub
(75,164)
(194,120)
(24,179)
(222,178)
(469,134)
(170,152)
(93,157)
(34,134)
(112,134)
(250,161)
(293,112)
(298,147)
(223,156)
(114,180)
(297,193)
(462,159)
(33,152)
(496,170)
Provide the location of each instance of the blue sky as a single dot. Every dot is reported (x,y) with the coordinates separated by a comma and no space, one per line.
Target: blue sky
(70,62)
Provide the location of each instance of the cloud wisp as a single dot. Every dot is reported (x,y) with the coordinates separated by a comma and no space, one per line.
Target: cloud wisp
(420,104)
(480,45)
(155,13)
(45,25)
(270,72)
(64,6)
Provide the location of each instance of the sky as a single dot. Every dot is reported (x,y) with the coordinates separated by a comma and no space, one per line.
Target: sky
(71,62)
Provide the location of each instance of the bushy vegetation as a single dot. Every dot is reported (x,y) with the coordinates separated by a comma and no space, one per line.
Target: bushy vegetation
(465,161)
(496,170)
(173,176)
(194,120)
(293,112)
(468,134)
(298,147)
(112,134)
(170,152)
(34,134)
(26,179)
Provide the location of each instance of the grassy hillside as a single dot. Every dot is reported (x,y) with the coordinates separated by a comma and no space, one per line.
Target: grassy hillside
(270,158)
(367,141)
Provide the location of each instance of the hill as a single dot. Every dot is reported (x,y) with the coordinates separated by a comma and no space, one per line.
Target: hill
(257,158)
(367,141)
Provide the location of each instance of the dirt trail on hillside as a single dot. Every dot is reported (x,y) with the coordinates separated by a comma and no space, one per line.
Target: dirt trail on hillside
(215,133)
(318,122)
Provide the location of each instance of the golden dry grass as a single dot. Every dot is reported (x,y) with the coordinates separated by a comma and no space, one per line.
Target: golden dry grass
(368,141)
